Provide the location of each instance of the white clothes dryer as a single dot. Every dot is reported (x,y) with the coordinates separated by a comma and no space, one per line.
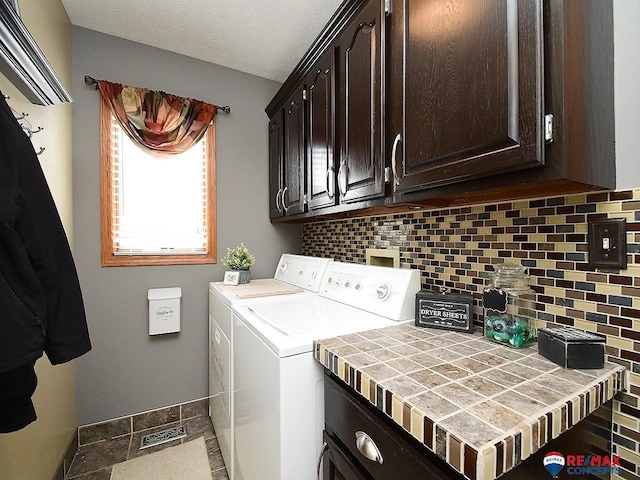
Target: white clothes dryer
(296,276)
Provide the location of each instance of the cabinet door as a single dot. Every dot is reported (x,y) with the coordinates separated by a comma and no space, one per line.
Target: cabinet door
(294,154)
(321,187)
(465,83)
(276,159)
(361,171)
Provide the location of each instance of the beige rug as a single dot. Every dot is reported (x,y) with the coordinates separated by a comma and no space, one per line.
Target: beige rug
(188,461)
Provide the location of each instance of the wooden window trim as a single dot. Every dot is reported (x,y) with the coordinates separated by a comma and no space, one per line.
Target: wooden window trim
(108,259)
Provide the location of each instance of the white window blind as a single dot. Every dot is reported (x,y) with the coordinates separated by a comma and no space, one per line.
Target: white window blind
(159,205)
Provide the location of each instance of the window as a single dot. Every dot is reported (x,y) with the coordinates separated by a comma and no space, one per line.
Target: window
(155,211)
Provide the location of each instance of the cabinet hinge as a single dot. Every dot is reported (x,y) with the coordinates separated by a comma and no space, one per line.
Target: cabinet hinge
(387,7)
(304,94)
(304,199)
(548,128)
(387,174)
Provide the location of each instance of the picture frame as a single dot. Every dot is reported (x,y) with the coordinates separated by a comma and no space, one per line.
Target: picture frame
(231,278)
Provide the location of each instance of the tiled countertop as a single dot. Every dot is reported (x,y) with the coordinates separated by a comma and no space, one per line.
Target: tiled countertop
(480,406)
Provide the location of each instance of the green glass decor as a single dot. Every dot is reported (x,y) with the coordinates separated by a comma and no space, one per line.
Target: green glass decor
(508,307)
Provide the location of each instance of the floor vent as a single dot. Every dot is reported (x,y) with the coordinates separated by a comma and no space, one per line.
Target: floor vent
(165,436)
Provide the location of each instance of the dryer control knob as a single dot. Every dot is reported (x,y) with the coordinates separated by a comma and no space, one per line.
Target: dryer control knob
(383,291)
(283,267)
(314,274)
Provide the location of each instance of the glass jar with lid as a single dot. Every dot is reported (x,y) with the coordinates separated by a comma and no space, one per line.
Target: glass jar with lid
(508,305)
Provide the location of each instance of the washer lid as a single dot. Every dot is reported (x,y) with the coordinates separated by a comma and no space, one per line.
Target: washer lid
(290,327)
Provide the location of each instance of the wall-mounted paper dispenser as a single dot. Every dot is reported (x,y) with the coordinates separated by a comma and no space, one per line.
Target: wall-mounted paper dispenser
(164,310)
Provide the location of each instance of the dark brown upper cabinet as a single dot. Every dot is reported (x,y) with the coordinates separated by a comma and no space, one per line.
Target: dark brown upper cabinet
(465,90)
(292,197)
(321,169)
(287,157)
(446,103)
(276,160)
(576,111)
(359,108)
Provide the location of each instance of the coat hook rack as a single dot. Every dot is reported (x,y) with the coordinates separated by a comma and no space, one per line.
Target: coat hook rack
(25,124)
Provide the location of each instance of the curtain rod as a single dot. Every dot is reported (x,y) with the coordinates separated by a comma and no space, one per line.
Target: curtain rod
(92,81)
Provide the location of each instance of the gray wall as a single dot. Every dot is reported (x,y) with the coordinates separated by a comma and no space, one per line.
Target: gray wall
(127,371)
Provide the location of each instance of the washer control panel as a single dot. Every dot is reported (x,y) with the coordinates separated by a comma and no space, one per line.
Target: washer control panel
(385,291)
(301,271)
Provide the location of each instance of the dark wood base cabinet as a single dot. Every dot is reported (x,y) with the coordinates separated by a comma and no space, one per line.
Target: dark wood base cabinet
(352,427)
(362,443)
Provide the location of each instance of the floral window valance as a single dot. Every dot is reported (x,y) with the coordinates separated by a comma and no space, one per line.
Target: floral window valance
(165,124)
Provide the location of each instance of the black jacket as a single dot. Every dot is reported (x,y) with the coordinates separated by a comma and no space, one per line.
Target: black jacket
(41,307)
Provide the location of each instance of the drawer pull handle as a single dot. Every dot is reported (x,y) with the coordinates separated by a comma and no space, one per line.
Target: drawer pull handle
(367,447)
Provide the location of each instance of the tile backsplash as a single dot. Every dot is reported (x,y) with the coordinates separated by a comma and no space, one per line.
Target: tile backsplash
(456,247)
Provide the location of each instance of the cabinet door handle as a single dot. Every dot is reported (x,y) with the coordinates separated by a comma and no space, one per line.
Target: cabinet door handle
(330,191)
(278,200)
(342,173)
(325,447)
(284,205)
(397,140)
(367,447)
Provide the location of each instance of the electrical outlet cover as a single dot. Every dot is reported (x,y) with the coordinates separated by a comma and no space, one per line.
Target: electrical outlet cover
(611,233)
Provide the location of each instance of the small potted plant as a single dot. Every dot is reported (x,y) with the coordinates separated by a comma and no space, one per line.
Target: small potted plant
(240,259)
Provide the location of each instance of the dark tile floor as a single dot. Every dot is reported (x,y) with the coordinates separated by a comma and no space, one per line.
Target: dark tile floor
(94,461)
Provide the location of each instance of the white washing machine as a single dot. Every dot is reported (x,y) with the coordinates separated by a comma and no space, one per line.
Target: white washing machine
(278,391)
(296,276)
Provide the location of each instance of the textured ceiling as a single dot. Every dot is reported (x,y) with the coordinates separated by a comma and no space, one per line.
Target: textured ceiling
(262,37)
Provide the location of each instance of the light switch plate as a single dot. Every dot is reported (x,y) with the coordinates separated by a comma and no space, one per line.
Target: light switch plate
(607,239)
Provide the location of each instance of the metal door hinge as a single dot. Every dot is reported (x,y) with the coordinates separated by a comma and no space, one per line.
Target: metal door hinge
(387,7)
(304,94)
(548,128)
(387,174)
(304,199)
